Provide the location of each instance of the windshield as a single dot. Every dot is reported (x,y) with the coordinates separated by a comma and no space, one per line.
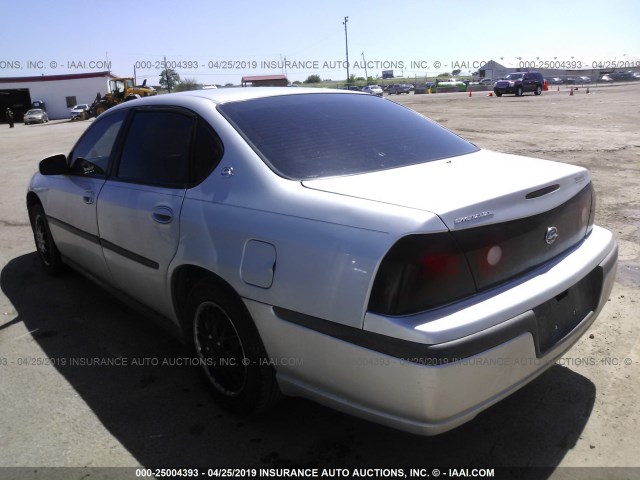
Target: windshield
(322,135)
(514,76)
(35,111)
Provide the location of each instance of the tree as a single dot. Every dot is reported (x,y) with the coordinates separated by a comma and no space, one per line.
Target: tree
(188,84)
(455,73)
(169,78)
(313,79)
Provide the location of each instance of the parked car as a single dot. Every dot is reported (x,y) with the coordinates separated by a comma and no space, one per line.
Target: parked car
(623,76)
(520,83)
(79,112)
(451,82)
(582,80)
(35,115)
(485,81)
(555,81)
(398,88)
(373,90)
(606,78)
(331,245)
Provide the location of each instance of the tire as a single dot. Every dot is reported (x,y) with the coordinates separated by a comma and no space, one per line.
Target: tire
(498,94)
(101,107)
(519,91)
(229,349)
(45,246)
(538,90)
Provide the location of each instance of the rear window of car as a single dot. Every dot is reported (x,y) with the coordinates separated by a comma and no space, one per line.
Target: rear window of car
(323,135)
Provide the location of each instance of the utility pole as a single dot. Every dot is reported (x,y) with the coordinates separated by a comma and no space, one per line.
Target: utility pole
(166,75)
(346,45)
(366,75)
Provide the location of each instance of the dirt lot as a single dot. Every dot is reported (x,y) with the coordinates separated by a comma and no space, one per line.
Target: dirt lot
(583,412)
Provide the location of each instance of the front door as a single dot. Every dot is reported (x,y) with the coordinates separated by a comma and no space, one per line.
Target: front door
(71,205)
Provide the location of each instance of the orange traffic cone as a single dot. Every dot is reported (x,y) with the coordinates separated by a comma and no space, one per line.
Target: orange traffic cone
(490,94)
(571,94)
(587,89)
(558,89)
(469,92)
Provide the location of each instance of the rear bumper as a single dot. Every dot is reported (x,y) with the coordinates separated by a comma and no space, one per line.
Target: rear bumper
(426,378)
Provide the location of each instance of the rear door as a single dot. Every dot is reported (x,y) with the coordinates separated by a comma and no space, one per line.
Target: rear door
(139,205)
(165,152)
(529,82)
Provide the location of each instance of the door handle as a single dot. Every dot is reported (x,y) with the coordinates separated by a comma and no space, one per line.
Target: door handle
(88,197)
(162,215)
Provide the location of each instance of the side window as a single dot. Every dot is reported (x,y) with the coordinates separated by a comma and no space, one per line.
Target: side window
(156,151)
(92,153)
(207,153)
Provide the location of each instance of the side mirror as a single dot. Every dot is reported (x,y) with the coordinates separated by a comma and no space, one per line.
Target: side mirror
(54,165)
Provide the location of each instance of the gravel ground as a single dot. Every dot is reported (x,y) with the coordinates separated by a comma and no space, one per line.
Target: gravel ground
(583,412)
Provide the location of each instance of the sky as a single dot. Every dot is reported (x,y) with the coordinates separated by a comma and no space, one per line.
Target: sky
(219,42)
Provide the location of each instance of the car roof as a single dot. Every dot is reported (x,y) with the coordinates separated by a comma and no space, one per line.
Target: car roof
(225,95)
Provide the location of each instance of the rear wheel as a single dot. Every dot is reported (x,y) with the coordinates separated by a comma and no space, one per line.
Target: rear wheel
(538,90)
(519,91)
(229,349)
(45,246)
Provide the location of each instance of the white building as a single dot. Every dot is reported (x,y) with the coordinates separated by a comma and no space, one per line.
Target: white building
(59,92)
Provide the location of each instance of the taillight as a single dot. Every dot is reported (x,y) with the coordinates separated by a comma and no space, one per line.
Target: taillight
(427,271)
(418,273)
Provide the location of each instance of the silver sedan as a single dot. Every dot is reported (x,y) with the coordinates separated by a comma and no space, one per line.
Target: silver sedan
(35,115)
(373,90)
(332,245)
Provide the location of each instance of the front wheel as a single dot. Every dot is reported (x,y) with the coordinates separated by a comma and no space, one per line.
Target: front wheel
(519,92)
(45,246)
(229,349)
(100,108)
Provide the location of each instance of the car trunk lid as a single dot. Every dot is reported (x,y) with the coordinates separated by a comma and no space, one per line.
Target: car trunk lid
(476,189)
(508,214)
